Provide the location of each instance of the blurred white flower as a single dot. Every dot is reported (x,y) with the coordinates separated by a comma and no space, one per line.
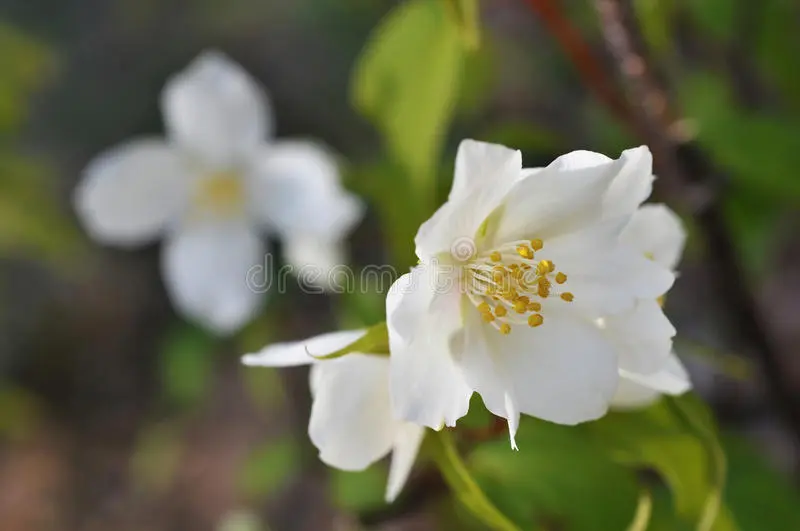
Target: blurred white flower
(513,316)
(211,187)
(351,422)
(656,232)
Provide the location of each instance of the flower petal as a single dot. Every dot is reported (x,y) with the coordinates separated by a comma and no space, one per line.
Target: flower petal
(656,231)
(564,371)
(301,352)
(483,372)
(407,440)
(206,270)
(131,193)
(562,197)
(294,187)
(319,262)
(351,422)
(216,111)
(427,387)
(484,173)
(632,185)
(481,164)
(643,337)
(637,390)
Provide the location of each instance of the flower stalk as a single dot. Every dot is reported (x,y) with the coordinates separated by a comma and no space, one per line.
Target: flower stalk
(443,450)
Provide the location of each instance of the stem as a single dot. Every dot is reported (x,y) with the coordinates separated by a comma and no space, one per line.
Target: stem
(461,482)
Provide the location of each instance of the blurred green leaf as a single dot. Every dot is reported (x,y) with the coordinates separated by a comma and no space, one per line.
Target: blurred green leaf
(269,467)
(156,457)
(714,17)
(358,491)
(187,361)
(758,150)
(374,341)
(20,412)
(677,438)
(406,82)
(25,63)
(777,45)
(760,498)
(555,467)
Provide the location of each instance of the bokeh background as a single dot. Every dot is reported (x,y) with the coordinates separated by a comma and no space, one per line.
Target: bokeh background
(117,414)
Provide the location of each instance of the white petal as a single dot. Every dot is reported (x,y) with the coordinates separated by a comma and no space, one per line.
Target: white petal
(427,387)
(483,372)
(407,440)
(351,422)
(555,200)
(484,174)
(636,390)
(656,231)
(294,187)
(643,337)
(563,371)
(301,352)
(632,185)
(207,272)
(480,164)
(215,110)
(605,277)
(130,193)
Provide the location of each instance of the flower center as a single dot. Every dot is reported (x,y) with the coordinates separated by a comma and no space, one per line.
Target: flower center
(507,285)
(221,193)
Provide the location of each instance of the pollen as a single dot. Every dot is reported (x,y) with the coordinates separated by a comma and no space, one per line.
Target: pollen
(535,320)
(221,193)
(507,285)
(525,252)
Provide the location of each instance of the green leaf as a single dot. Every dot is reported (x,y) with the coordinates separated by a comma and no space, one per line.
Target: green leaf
(374,341)
(675,437)
(406,82)
(187,360)
(269,467)
(759,496)
(555,466)
(358,491)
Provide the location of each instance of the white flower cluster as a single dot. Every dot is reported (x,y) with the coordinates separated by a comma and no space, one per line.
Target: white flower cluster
(539,289)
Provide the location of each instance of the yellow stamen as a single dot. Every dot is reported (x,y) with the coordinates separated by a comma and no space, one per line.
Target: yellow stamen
(561,278)
(525,252)
(543,267)
(488,317)
(484,307)
(505,329)
(500,311)
(496,256)
(520,306)
(535,320)
(534,307)
(567,296)
(537,244)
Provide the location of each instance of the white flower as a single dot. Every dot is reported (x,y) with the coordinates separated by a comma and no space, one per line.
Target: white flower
(209,189)
(351,420)
(513,317)
(657,233)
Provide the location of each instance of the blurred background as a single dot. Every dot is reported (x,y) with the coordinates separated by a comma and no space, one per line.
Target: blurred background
(117,414)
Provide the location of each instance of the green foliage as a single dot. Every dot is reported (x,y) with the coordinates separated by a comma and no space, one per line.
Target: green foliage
(406,82)
(374,341)
(358,491)
(187,361)
(555,467)
(269,467)
(156,457)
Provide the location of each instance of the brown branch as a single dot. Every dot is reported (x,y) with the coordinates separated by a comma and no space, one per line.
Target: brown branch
(688,179)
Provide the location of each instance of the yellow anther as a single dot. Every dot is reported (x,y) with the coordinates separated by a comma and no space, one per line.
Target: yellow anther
(567,296)
(661,300)
(561,277)
(534,307)
(500,311)
(535,320)
(520,306)
(537,244)
(544,290)
(525,252)
(498,276)
(649,256)
(496,256)
(488,317)
(543,267)
(552,266)
(524,298)
(484,307)
(505,329)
